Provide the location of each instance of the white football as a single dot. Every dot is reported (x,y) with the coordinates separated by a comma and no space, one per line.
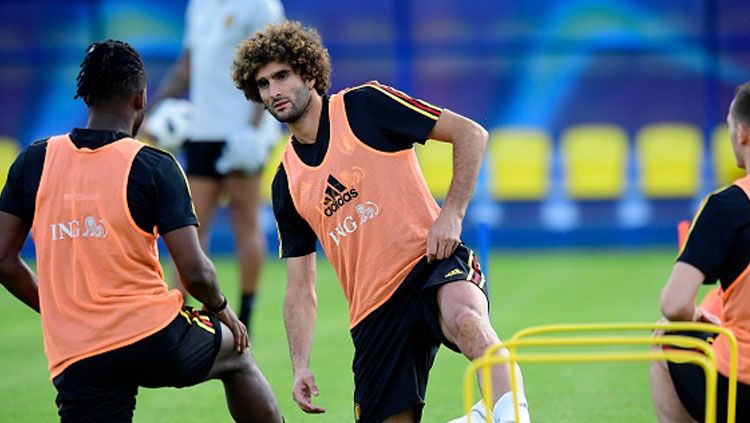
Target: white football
(169,123)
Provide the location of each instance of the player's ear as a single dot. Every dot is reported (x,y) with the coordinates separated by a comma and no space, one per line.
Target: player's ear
(139,100)
(743,133)
(311,84)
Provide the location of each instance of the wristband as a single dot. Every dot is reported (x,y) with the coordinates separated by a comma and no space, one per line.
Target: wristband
(219,308)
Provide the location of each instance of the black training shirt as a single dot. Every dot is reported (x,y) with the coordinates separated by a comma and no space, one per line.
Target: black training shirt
(157,192)
(383,118)
(719,240)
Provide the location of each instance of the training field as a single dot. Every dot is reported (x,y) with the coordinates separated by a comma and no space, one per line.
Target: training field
(528,288)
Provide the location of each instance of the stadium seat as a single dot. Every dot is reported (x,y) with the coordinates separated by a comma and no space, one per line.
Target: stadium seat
(670,157)
(725,165)
(269,171)
(9,149)
(595,159)
(436,160)
(520,159)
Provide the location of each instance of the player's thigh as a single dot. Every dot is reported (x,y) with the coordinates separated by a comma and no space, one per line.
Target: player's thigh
(179,355)
(455,290)
(205,192)
(393,354)
(406,416)
(244,198)
(94,389)
(458,301)
(228,360)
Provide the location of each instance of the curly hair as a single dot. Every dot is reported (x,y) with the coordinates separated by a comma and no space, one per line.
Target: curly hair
(285,42)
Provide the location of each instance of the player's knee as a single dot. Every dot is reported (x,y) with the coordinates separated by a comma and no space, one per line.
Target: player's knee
(234,365)
(244,363)
(472,331)
(467,320)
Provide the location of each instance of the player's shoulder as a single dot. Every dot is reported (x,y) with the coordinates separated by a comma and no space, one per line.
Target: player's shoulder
(153,157)
(380,96)
(729,200)
(372,94)
(371,89)
(153,151)
(728,196)
(279,176)
(35,151)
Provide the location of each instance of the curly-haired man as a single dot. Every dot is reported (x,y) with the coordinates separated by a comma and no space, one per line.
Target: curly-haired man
(410,282)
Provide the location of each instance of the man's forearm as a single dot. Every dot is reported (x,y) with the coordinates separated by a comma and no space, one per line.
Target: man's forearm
(468,150)
(299,319)
(20,281)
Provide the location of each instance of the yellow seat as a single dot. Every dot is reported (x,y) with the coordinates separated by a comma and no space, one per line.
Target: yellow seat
(520,159)
(595,159)
(9,150)
(436,160)
(269,171)
(670,157)
(725,165)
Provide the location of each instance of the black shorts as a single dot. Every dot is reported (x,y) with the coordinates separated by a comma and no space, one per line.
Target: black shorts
(201,158)
(690,383)
(395,345)
(102,388)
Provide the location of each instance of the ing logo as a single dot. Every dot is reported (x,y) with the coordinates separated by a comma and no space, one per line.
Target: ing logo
(72,229)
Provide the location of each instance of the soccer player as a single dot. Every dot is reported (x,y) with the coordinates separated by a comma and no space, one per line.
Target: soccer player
(96,201)
(229,138)
(717,249)
(349,178)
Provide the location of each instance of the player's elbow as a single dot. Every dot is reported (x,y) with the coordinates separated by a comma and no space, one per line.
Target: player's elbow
(199,277)
(675,311)
(479,135)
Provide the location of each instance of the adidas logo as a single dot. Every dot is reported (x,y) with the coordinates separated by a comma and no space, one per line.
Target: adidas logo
(453,272)
(336,195)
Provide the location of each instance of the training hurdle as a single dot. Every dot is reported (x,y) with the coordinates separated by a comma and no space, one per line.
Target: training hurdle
(530,337)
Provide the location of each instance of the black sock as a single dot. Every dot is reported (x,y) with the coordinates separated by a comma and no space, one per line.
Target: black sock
(246,309)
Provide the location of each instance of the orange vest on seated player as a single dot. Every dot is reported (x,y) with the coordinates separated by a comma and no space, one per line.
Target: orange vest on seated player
(101,286)
(371,211)
(736,316)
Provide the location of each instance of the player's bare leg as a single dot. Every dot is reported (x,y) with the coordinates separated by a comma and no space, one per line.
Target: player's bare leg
(406,416)
(205,193)
(667,404)
(249,396)
(244,207)
(464,320)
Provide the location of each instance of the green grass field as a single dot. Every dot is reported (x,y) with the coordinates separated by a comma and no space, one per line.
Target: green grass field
(527,288)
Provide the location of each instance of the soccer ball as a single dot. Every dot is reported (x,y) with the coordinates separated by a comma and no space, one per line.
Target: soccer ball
(169,124)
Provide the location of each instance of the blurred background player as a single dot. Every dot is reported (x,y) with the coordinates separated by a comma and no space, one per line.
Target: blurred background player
(717,249)
(349,178)
(228,139)
(96,200)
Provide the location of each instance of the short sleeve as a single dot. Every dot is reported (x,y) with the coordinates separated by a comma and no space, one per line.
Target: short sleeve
(713,231)
(174,206)
(296,237)
(388,118)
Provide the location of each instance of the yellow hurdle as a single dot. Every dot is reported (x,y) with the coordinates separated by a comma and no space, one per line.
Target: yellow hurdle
(706,359)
